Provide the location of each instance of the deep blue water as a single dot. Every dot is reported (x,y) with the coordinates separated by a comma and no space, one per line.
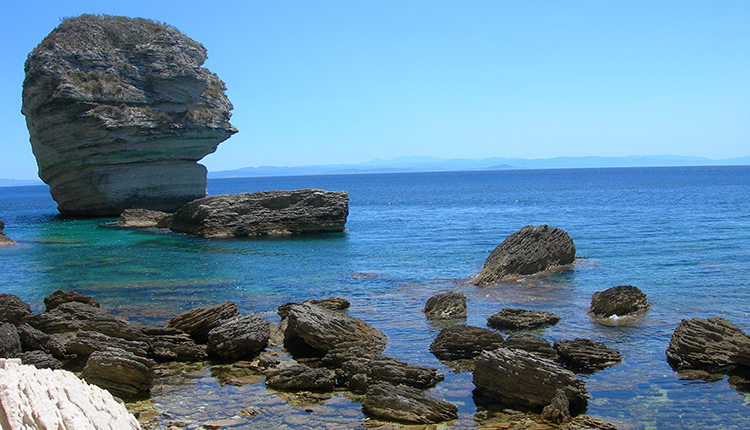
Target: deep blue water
(680,234)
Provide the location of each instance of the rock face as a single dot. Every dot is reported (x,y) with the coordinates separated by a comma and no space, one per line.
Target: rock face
(708,344)
(264,213)
(527,251)
(464,342)
(119,111)
(510,319)
(621,301)
(585,355)
(448,305)
(140,218)
(406,404)
(56,399)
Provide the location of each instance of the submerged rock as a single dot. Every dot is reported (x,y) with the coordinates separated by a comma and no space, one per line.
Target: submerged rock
(521,319)
(197,322)
(448,305)
(708,344)
(264,213)
(119,111)
(585,355)
(406,404)
(620,301)
(464,342)
(526,252)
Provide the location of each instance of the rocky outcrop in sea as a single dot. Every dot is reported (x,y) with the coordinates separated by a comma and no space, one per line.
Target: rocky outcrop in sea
(4,240)
(119,111)
(713,343)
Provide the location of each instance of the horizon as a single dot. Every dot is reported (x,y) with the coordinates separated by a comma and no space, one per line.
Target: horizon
(347,83)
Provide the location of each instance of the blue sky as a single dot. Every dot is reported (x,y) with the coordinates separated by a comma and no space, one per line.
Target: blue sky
(326,82)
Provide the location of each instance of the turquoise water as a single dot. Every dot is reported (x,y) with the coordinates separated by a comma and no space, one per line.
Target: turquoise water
(682,235)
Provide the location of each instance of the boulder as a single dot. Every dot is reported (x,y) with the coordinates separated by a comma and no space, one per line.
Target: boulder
(87,342)
(464,342)
(140,218)
(300,378)
(558,411)
(359,373)
(264,213)
(122,373)
(119,111)
(529,342)
(620,301)
(33,340)
(239,338)
(13,309)
(585,355)
(450,305)
(511,319)
(171,344)
(71,317)
(406,404)
(4,240)
(57,399)
(330,303)
(59,297)
(522,379)
(199,321)
(39,359)
(528,251)
(708,344)
(10,343)
(310,326)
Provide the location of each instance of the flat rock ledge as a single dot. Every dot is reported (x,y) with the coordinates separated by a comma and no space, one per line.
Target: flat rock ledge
(710,344)
(528,251)
(512,319)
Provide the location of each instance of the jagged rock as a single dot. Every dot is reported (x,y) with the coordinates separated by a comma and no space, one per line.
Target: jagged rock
(264,213)
(140,218)
(122,373)
(119,110)
(199,321)
(323,330)
(4,240)
(33,339)
(464,342)
(521,319)
(10,343)
(520,378)
(529,342)
(585,422)
(239,338)
(528,251)
(708,344)
(13,309)
(586,355)
(59,297)
(74,316)
(359,373)
(300,378)
(621,301)
(39,359)
(87,342)
(171,344)
(406,404)
(558,411)
(448,305)
(57,399)
(330,303)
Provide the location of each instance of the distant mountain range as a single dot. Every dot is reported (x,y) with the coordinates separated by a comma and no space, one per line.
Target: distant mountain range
(429,164)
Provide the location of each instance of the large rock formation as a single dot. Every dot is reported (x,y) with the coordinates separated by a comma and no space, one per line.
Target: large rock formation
(529,250)
(264,213)
(713,343)
(119,110)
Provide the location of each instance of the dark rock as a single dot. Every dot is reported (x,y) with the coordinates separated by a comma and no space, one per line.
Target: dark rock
(529,342)
(13,309)
(119,111)
(406,404)
(464,342)
(59,297)
(523,379)
(708,344)
(300,378)
(586,355)
(621,301)
(509,319)
(324,330)
(171,344)
(264,213)
(359,373)
(39,359)
(448,305)
(558,411)
(122,373)
(4,240)
(199,321)
(140,218)
(33,339)
(87,342)
(239,338)
(528,251)
(10,343)
(74,316)
(330,303)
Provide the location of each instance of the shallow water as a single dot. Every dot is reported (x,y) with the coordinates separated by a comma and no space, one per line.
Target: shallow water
(682,235)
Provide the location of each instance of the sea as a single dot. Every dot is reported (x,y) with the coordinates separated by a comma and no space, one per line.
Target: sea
(680,234)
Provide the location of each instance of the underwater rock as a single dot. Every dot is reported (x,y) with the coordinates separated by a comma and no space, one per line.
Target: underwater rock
(406,404)
(140,218)
(708,344)
(359,373)
(59,297)
(263,213)
(119,111)
(57,399)
(122,373)
(464,342)
(521,319)
(621,301)
(239,338)
(197,322)
(448,305)
(585,355)
(299,377)
(10,343)
(529,342)
(528,251)
(13,309)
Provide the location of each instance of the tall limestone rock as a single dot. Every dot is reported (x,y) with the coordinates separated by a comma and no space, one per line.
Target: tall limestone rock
(119,111)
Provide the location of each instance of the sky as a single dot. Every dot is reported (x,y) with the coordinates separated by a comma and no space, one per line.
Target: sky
(330,82)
